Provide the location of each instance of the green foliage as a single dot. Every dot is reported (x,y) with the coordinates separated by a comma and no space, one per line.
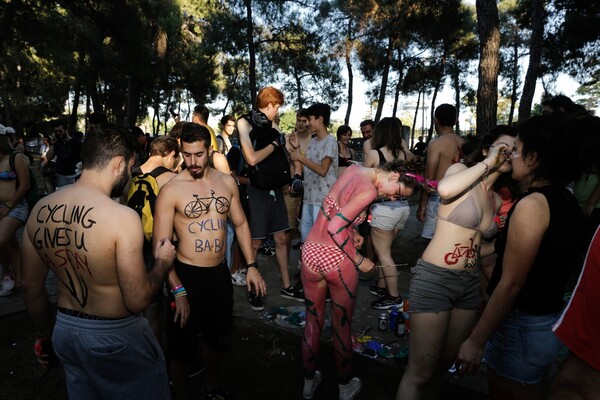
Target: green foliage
(589,96)
(133,59)
(287,121)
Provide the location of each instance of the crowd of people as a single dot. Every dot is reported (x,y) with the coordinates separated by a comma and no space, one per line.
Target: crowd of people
(508,226)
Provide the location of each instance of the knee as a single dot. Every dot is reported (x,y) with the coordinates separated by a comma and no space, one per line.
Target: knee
(256,244)
(280,238)
(419,377)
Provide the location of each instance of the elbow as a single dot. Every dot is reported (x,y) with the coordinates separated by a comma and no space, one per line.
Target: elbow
(444,191)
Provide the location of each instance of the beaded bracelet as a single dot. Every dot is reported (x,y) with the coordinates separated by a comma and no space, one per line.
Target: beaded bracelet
(178,290)
(179,295)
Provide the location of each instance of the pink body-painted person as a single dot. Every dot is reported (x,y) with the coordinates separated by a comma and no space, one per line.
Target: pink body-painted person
(331,262)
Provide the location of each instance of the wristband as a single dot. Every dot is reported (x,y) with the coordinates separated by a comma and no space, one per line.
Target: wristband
(275,145)
(176,287)
(361,260)
(9,205)
(252,265)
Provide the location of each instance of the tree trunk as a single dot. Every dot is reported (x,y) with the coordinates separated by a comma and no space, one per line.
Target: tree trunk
(514,81)
(396,98)
(398,86)
(384,79)
(488,27)
(251,51)
(456,84)
(73,116)
(132,105)
(298,88)
(347,55)
(535,59)
(416,116)
(433,98)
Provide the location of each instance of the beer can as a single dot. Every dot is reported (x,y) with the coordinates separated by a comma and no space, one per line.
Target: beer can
(383,322)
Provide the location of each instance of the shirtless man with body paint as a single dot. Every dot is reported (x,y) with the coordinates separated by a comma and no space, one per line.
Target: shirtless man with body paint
(195,206)
(100,335)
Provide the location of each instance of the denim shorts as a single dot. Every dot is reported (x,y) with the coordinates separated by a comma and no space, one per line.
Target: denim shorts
(431,212)
(435,289)
(523,347)
(20,211)
(390,215)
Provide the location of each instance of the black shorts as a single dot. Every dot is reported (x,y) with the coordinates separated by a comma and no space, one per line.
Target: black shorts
(268,212)
(210,294)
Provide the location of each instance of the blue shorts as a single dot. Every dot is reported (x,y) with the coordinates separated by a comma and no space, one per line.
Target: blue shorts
(431,213)
(20,211)
(110,359)
(523,347)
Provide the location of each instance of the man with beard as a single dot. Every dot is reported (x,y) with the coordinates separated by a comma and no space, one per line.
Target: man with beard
(195,205)
(106,346)
(67,150)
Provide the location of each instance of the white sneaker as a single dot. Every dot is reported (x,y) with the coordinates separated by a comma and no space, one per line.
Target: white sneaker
(351,389)
(238,278)
(310,385)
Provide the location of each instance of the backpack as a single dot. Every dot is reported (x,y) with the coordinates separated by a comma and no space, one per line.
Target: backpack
(142,196)
(274,171)
(33,193)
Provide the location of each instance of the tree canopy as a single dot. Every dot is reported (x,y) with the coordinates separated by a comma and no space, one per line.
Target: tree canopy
(133,60)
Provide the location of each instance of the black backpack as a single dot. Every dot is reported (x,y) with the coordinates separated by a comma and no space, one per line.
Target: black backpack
(274,171)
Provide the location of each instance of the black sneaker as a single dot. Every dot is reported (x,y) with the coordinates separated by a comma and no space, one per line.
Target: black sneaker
(255,301)
(377,291)
(267,251)
(292,293)
(387,302)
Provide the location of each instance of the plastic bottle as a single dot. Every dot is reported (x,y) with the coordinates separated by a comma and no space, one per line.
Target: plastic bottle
(393,318)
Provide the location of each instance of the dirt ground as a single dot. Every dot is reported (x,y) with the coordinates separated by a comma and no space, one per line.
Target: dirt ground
(264,363)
